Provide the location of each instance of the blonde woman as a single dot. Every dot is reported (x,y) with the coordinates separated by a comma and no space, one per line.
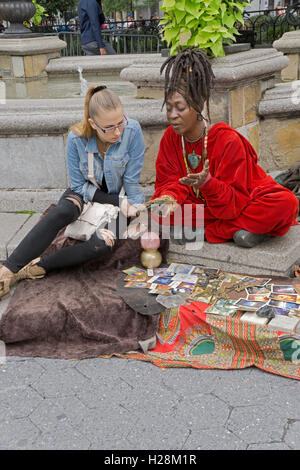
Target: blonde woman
(117,146)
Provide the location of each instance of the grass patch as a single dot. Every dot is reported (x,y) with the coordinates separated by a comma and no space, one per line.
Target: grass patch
(25,212)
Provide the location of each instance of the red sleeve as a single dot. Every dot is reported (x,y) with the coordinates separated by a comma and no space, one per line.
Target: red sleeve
(169,169)
(226,192)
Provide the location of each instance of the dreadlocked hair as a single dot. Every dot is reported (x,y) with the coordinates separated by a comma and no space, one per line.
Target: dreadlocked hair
(190,74)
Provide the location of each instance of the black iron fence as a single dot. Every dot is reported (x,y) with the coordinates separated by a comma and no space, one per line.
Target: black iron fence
(142,26)
(135,37)
(263,27)
(123,43)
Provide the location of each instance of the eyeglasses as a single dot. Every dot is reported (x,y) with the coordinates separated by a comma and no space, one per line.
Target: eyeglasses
(112,128)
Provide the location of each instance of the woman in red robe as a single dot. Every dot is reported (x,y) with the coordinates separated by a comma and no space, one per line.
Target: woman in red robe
(241,202)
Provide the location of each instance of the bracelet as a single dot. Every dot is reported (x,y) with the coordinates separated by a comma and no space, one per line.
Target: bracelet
(167,199)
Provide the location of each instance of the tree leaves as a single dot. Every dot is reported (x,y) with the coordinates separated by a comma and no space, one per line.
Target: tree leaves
(202,23)
(53,6)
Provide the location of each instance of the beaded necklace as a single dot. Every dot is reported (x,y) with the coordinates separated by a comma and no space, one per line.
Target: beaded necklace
(193,158)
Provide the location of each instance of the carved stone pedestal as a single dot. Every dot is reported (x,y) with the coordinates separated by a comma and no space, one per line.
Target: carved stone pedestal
(26,58)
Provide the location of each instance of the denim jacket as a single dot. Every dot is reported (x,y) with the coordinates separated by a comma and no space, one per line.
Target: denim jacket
(122,165)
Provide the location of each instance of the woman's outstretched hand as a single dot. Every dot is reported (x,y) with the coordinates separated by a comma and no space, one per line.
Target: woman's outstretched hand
(196,179)
(164,205)
(129,210)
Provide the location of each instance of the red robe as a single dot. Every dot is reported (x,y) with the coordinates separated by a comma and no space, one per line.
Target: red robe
(239,194)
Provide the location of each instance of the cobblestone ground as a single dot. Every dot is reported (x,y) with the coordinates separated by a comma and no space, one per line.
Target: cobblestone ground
(121,404)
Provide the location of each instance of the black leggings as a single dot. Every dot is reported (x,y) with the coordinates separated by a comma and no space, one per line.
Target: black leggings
(44,232)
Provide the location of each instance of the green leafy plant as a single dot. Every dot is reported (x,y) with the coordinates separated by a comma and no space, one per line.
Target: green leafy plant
(62,6)
(40,12)
(206,24)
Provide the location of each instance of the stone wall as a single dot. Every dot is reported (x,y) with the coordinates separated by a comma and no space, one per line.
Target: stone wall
(152,138)
(279,110)
(239,108)
(289,44)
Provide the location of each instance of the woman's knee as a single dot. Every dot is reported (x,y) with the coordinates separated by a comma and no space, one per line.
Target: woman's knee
(65,212)
(292,206)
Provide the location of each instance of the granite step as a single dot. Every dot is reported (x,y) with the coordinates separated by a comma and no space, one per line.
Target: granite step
(273,257)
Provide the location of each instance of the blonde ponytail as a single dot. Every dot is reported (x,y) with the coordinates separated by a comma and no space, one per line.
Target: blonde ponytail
(95,103)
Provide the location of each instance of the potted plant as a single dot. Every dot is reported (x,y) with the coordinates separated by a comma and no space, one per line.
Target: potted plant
(201,23)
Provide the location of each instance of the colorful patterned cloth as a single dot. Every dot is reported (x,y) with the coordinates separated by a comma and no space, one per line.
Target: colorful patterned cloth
(188,337)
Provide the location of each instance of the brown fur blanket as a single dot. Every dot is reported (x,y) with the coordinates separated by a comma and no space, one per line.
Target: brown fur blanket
(76,313)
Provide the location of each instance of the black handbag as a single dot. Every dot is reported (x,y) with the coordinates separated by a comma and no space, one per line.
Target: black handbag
(291,180)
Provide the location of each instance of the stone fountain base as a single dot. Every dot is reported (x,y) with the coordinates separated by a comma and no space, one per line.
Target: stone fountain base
(26,58)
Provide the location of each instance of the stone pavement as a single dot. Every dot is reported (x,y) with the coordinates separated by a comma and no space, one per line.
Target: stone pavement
(126,405)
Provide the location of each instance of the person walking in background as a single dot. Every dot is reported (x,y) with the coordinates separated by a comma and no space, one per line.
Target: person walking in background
(2,27)
(91,19)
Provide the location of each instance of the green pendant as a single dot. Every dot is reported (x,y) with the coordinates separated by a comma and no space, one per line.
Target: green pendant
(194,160)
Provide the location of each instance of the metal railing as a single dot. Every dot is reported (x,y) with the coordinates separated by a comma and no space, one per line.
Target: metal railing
(143,26)
(263,27)
(123,43)
(126,38)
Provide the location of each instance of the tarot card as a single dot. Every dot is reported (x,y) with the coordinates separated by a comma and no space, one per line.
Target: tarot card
(166,281)
(294,305)
(134,271)
(199,270)
(185,278)
(201,295)
(279,289)
(198,291)
(294,313)
(222,307)
(259,297)
(159,272)
(139,278)
(244,304)
(281,304)
(284,297)
(205,269)
(262,282)
(202,282)
(256,281)
(160,287)
(258,290)
(282,311)
(178,268)
(144,285)
(186,286)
